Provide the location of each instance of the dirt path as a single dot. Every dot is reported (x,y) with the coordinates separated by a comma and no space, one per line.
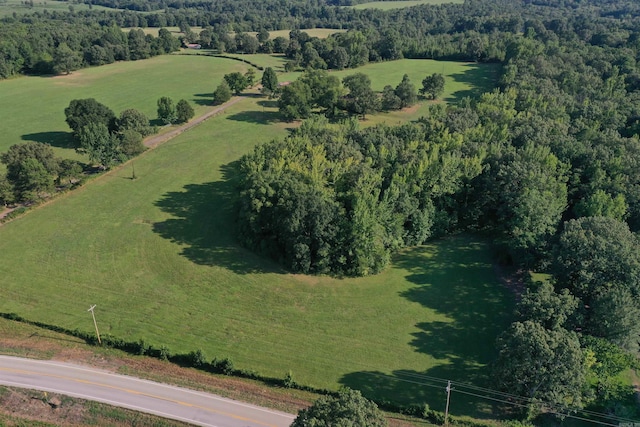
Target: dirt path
(156,140)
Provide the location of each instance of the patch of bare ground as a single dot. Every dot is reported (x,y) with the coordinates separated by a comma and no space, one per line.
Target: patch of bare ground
(20,407)
(513,279)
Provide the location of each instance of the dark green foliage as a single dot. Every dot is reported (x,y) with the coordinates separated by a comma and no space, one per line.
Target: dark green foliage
(222,93)
(223,366)
(269,81)
(7,191)
(132,119)
(595,254)
(82,112)
(32,180)
(196,359)
(341,201)
(31,171)
(348,409)
(250,77)
(184,111)
(613,315)
(166,110)
(361,99)
(70,170)
(237,82)
(406,92)
(546,307)
(102,147)
(295,101)
(131,143)
(539,363)
(432,86)
(65,60)
(390,100)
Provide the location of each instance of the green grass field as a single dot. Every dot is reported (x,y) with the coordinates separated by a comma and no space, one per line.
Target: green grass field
(462,79)
(158,256)
(388,5)
(33,107)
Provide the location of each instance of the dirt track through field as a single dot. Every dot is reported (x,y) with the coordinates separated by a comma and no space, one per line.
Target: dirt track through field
(156,140)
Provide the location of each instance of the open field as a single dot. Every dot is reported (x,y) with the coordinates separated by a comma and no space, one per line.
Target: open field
(8,7)
(158,257)
(388,5)
(33,107)
(462,79)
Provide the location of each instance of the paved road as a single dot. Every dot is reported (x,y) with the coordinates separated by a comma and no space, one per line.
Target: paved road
(140,395)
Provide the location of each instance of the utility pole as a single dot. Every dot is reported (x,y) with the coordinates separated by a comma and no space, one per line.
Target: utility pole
(446,410)
(94,322)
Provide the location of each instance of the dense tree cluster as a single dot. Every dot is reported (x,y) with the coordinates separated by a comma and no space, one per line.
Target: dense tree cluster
(49,46)
(340,201)
(318,91)
(105,138)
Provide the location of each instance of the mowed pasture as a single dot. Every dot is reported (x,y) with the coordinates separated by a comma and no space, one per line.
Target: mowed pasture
(401,4)
(159,258)
(33,107)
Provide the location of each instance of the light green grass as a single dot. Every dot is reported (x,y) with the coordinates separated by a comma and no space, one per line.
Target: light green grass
(389,5)
(8,7)
(158,257)
(33,107)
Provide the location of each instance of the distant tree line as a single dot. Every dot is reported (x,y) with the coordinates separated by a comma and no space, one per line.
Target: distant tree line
(58,47)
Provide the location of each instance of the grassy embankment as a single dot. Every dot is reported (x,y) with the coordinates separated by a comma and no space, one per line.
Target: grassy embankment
(158,256)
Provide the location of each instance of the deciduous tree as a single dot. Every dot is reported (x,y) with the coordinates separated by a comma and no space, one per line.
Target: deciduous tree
(166,110)
(222,93)
(184,111)
(348,409)
(432,86)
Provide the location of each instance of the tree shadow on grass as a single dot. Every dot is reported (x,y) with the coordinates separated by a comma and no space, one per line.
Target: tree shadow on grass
(268,103)
(257,117)
(408,387)
(55,138)
(480,77)
(203,223)
(203,99)
(455,280)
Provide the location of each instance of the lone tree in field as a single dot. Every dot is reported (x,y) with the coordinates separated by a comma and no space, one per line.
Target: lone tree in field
(222,93)
(432,86)
(166,110)
(349,409)
(269,81)
(184,111)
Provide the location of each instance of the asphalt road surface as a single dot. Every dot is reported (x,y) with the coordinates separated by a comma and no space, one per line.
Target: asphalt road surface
(140,395)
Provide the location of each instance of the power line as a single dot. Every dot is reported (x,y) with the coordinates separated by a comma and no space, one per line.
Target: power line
(529,401)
